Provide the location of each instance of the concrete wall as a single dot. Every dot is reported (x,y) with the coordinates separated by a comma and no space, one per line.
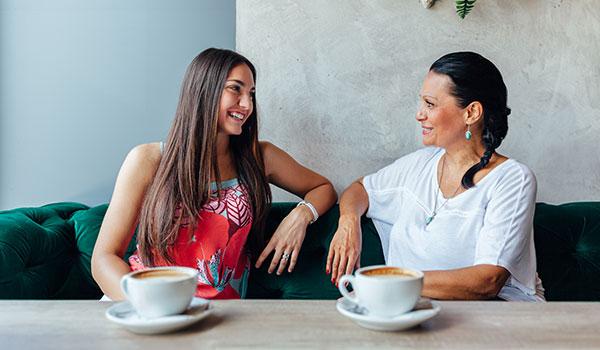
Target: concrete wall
(82,82)
(338,80)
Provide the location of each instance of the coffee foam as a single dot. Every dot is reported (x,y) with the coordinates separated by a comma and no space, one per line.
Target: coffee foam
(389,272)
(161,275)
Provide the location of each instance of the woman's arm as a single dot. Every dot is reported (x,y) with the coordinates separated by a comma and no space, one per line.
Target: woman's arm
(469,283)
(284,172)
(346,245)
(121,217)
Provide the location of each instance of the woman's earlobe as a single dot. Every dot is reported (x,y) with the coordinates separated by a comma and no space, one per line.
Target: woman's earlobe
(474,112)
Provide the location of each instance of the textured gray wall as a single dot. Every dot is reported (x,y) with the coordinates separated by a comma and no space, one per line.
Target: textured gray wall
(82,82)
(338,80)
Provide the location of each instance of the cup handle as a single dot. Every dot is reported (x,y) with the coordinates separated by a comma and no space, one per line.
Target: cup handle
(342,287)
(124,285)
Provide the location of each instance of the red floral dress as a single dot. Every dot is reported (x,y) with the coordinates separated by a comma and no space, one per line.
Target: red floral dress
(216,248)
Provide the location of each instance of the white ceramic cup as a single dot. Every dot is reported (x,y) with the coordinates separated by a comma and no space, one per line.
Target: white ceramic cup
(386,291)
(160,291)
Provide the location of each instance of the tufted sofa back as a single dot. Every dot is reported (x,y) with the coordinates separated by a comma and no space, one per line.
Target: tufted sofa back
(46,252)
(567,241)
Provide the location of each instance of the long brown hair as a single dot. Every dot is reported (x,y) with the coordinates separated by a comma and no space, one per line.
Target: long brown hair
(190,158)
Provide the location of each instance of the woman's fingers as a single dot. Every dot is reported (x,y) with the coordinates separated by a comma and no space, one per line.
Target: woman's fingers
(328,262)
(276,260)
(294,259)
(350,264)
(330,255)
(342,267)
(285,257)
(334,265)
(265,253)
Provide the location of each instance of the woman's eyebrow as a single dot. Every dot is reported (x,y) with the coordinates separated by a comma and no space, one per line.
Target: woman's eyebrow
(239,82)
(428,96)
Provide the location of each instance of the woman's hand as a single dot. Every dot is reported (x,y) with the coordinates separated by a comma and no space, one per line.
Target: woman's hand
(287,240)
(345,248)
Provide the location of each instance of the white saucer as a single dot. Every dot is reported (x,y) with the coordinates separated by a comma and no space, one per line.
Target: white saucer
(424,310)
(124,314)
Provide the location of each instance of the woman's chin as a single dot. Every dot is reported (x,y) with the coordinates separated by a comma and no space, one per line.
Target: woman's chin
(232,131)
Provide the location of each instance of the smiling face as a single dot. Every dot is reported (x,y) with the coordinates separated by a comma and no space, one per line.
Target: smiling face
(237,98)
(441,118)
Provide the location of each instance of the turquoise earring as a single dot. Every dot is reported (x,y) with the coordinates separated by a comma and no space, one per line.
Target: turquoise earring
(468,133)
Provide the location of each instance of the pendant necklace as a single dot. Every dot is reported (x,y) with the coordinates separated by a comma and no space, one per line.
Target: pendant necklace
(436,210)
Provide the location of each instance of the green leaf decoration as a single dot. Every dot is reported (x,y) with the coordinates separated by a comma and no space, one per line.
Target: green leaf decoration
(463,7)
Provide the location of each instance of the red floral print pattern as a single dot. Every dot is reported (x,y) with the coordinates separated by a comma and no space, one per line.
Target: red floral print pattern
(216,247)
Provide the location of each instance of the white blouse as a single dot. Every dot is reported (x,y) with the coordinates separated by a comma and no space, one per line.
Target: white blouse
(490,223)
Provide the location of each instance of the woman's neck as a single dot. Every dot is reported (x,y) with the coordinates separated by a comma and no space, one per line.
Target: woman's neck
(224,159)
(222,146)
(464,156)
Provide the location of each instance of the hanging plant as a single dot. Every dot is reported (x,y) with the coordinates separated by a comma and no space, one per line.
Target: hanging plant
(463,7)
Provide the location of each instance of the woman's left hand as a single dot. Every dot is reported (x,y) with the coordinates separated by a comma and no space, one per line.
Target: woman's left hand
(287,241)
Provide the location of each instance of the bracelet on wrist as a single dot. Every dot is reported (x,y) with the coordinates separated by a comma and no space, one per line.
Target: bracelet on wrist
(312,209)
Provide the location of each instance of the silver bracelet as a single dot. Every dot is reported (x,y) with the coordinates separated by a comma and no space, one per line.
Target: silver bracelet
(311,208)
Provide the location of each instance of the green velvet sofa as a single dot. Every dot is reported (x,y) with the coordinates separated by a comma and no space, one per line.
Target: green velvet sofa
(45,253)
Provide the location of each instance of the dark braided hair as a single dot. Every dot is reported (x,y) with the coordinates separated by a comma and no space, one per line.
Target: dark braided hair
(475,78)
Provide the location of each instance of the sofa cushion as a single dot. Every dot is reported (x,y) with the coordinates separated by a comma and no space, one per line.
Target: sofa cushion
(309,280)
(567,241)
(37,250)
(45,252)
(86,225)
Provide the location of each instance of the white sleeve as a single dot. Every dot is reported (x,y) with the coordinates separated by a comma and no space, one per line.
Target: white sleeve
(382,188)
(384,191)
(506,238)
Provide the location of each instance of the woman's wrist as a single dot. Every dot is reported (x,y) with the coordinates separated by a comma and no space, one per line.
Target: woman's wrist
(314,215)
(303,213)
(352,218)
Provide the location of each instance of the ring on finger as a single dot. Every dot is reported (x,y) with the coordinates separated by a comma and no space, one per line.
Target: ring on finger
(285,256)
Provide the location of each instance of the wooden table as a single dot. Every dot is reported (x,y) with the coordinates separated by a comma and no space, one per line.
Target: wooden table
(304,324)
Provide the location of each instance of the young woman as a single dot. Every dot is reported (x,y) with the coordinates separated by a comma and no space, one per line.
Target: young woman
(200,199)
(457,209)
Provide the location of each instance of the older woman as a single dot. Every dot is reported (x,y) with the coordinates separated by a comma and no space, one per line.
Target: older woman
(456,209)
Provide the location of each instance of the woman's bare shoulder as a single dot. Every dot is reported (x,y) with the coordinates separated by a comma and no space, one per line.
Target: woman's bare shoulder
(144,160)
(266,147)
(272,156)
